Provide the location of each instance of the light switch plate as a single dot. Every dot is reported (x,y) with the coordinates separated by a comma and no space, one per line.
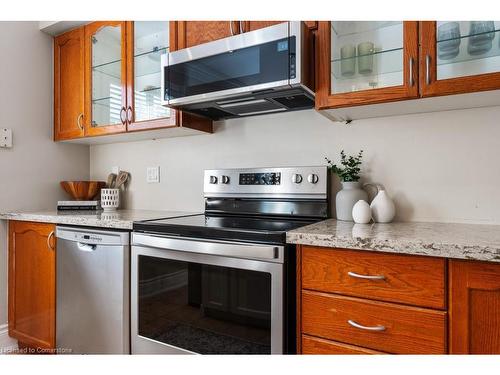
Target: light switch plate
(153,175)
(5,138)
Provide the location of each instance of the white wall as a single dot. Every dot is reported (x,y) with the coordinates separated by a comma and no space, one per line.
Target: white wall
(30,172)
(438,166)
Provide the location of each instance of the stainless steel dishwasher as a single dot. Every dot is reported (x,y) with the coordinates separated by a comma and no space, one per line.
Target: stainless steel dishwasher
(93,291)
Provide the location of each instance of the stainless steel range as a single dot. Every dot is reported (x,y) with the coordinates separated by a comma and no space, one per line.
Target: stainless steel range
(223,282)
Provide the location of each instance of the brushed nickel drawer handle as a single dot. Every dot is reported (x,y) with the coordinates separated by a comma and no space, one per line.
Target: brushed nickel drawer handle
(359,326)
(367,277)
(51,234)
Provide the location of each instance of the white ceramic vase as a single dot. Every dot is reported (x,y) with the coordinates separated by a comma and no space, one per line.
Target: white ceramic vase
(346,199)
(382,206)
(361,212)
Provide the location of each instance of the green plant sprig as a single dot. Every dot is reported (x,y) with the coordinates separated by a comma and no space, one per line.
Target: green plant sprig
(350,166)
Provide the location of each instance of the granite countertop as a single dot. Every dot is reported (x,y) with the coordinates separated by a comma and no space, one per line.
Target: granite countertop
(460,241)
(120,219)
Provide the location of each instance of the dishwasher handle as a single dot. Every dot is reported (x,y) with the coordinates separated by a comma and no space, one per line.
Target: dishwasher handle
(86,247)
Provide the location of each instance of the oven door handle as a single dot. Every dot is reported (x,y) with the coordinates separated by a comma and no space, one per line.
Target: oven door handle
(235,250)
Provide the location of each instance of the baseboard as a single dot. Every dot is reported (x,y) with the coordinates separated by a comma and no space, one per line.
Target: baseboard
(6,342)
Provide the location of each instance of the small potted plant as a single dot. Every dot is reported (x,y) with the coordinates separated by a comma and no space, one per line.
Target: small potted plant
(348,172)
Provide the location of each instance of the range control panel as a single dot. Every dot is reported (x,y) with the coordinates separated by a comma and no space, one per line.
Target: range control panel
(273,178)
(300,182)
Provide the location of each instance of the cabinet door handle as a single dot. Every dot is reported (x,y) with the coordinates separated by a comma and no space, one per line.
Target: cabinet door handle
(242,28)
(367,277)
(79,121)
(231,27)
(373,328)
(428,69)
(51,234)
(129,114)
(411,72)
(123,113)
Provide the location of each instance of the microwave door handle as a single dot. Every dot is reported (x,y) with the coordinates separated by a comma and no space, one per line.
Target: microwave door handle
(236,250)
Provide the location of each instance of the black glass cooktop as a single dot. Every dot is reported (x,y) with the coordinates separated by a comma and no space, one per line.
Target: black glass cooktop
(236,228)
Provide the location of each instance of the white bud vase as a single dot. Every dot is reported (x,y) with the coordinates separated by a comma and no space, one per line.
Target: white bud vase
(346,199)
(383,209)
(361,212)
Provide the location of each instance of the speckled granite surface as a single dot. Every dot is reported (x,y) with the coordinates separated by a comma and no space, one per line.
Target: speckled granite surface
(120,219)
(461,241)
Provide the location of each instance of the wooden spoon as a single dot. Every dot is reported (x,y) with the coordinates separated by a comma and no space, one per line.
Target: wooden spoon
(121,179)
(111,181)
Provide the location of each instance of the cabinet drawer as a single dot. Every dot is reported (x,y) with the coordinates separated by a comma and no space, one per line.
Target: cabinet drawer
(413,280)
(394,328)
(315,345)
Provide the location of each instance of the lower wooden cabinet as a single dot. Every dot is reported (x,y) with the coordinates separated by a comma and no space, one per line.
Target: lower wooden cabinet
(316,345)
(376,325)
(407,279)
(382,309)
(32,287)
(474,307)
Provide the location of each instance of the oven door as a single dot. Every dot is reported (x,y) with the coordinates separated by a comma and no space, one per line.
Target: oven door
(240,64)
(191,296)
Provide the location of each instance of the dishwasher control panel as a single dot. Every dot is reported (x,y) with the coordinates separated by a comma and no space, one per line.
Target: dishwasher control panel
(93,237)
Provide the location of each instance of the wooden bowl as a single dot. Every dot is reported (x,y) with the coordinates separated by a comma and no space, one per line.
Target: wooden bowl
(83,190)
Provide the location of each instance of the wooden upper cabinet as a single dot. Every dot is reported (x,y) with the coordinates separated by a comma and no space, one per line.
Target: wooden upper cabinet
(146,42)
(459,57)
(366,62)
(255,25)
(69,78)
(106,78)
(474,307)
(32,268)
(191,33)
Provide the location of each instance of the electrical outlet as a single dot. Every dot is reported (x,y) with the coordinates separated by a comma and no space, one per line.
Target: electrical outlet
(153,175)
(115,170)
(5,138)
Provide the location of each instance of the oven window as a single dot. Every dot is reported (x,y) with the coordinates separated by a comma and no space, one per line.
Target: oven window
(268,62)
(204,309)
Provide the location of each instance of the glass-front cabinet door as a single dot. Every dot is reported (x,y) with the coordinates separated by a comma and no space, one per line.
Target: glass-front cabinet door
(364,62)
(459,57)
(105,55)
(146,42)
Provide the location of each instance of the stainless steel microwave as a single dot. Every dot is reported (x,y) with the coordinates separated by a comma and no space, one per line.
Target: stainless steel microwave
(263,71)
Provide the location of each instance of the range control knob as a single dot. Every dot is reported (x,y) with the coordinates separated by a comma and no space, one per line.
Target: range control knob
(296,178)
(213,179)
(224,179)
(313,178)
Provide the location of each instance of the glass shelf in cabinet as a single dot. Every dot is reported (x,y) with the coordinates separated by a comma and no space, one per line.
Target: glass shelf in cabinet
(463,54)
(384,62)
(111,69)
(160,50)
(359,27)
(147,64)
